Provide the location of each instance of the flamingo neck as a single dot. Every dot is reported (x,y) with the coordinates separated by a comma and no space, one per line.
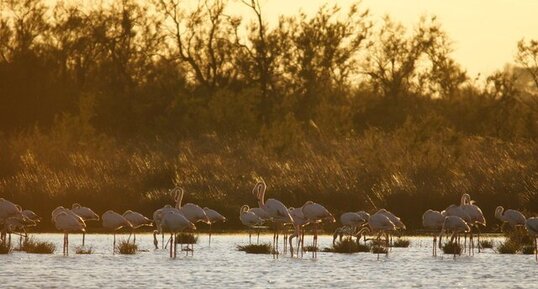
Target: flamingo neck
(179,198)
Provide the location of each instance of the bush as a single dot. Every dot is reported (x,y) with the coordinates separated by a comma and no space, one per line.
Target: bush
(186,238)
(37,247)
(127,248)
(401,243)
(5,248)
(255,248)
(452,248)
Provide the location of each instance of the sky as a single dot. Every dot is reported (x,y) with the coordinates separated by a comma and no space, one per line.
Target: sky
(484,33)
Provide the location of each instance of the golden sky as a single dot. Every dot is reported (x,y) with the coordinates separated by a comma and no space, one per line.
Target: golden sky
(484,32)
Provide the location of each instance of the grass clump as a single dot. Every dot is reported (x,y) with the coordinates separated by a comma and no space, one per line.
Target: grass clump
(255,248)
(127,248)
(401,243)
(347,246)
(508,247)
(527,250)
(5,248)
(377,249)
(310,248)
(30,245)
(186,238)
(486,244)
(83,250)
(452,248)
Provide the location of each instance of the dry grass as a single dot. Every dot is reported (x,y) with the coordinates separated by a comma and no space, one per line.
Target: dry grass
(376,249)
(186,238)
(527,250)
(5,248)
(310,248)
(127,248)
(84,250)
(452,248)
(255,248)
(30,245)
(401,243)
(508,247)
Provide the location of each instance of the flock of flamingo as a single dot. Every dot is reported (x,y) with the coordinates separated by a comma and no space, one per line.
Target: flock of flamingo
(465,218)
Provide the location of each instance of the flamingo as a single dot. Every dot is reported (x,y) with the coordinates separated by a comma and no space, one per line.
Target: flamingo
(352,221)
(86,214)
(275,210)
(249,219)
(433,220)
(17,222)
(299,221)
(456,225)
(315,214)
(157,218)
(532,227)
(395,220)
(213,217)
(7,209)
(67,223)
(173,222)
(382,225)
(513,217)
(137,220)
(113,221)
(192,212)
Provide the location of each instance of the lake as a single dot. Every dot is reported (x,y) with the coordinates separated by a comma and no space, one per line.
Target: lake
(222,266)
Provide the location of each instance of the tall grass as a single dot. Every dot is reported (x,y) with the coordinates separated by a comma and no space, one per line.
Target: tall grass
(30,245)
(5,248)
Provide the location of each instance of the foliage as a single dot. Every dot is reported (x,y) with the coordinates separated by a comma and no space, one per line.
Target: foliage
(508,247)
(84,250)
(486,244)
(5,248)
(185,238)
(401,243)
(378,249)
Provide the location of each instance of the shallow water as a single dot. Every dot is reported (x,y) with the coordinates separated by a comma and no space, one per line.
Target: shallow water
(222,266)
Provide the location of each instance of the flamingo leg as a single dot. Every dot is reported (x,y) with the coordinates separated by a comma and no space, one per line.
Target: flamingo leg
(175,246)
(134,238)
(114,244)
(210,235)
(67,247)
(83,237)
(258,238)
(249,236)
(171,246)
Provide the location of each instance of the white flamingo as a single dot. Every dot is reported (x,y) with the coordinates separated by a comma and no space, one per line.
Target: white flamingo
(173,222)
(7,209)
(213,217)
(433,221)
(137,220)
(315,214)
(192,212)
(249,219)
(68,223)
(299,221)
(532,227)
(15,224)
(350,221)
(276,211)
(477,218)
(394,219)
(513,217)
(455,225)
(381,225)
(157,218)
(113,221)
(86,214)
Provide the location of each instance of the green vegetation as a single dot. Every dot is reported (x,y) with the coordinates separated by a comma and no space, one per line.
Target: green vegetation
(516,240)
(452,248)
(30,245)
(255,248)
(105,104)
(401,243)
(127,248)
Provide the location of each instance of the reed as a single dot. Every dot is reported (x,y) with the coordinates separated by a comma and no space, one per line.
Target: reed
(186,238)
(84,250)
(452,248)
(347,246)
(486,244)
(33,246)
(401,243)
(5,248)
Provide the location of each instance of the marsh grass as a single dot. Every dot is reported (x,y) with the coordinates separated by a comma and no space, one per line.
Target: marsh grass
(486,244)
(33,246)
(83,250)
(255,248)
(5,248)
(452,248)
(186,238)
(347,246)
(527,250)
(127,248)
(401,243)
(310,248)
(508,247)
(377,249)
